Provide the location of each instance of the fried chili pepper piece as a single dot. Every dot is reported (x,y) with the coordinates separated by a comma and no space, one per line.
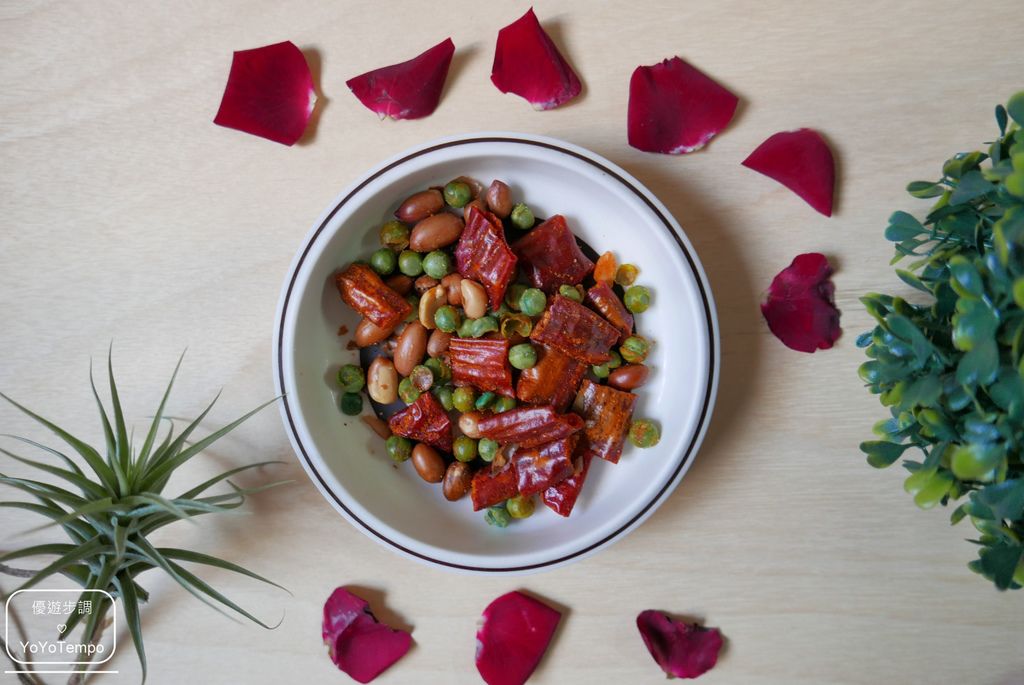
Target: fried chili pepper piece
(529,426)
(550,257)
(538,468)
(362,289)
(425,420)
(482,363)
(605,301)
(553,380)
(572,329)
(561,497)
(483,255)
(606,414)
(489,488)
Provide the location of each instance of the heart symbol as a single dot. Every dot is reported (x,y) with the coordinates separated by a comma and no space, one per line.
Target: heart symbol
(61,628)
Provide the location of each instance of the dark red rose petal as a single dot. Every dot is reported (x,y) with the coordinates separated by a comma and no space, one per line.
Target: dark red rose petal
(675,108)
(358,644)
(801,161)
(269,93)
(409,90)
(681,649)
(799,307)
(527,63)
(513,636)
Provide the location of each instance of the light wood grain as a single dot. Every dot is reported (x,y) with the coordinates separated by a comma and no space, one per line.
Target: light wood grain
(128,216)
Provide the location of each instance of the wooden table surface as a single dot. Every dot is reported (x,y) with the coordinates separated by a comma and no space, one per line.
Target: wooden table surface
(128,216)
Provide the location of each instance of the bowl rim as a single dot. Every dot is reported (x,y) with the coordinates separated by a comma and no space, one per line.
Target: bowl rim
(668,223)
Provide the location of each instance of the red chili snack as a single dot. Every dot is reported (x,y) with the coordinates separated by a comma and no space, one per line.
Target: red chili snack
(574,330)
(490,488)
(561,497)
(550,257)
(538,468)
(362,289)
(529,426)
(553,380)
(482,363)
(425,420)
(611,308)
(483,255)
(606,414)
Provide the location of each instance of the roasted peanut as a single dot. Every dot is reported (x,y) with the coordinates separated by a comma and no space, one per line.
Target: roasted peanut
(499,198)
(368,333)
(400,283)
(438,343)
(428,463)
(468,424)
(457,480)
(425,283)
(474,185)
(435,232)
(377,425)
(412,345)
(628,377)
(419,206)
(478,203)
(382,381)
(474,298)
(430,302)
(452,288)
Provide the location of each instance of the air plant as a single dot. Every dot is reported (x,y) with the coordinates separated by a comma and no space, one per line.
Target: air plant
(109,509)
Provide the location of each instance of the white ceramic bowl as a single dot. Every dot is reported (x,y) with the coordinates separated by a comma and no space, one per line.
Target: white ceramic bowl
(607,208)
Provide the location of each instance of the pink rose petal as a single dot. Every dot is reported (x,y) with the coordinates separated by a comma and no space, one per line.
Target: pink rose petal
(269,93)
(799,307)
(674,108)
(358,644)
(527,63)
(681,649)
(512,638)
(801,161)
(410,90)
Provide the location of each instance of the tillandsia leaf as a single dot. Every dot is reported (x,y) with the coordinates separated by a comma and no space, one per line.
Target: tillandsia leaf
(119,460)
(200,558)
(130,603)
(87,487)
(202,586)
(89,549)
(154,427)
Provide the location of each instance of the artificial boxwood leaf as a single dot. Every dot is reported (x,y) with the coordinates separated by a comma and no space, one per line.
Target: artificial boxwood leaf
(980,365)
(882,453)
(972,184)
(1005,500)
(925,189)
(976,461)
(903,226)
(999,562)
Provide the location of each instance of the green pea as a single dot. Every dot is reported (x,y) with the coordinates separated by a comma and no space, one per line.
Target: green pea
(464,448)
(516,324)
(464,398)
(637,299)
(437,264)
(484,400)
(497,516)
(447,318)
(601,370)
(410,263)
(408,392)
(465,329)
(483,325)
(570,291)
(520,507)
(351,403)
(522,356)
(383,261)
(414,302)
(457,194)
(512,295)
(522,217)
(503,404)
(351,378)
(394,234)
(644,433)
(442,372)
(422,377)
(444,394)
(626,274)
(634,349)
(487,449)
(398,448)
(615,362)
(532,302)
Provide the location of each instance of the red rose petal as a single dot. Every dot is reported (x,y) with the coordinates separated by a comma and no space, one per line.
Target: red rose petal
(512,638)
(675,108)
(681,649)
(409,90)
(799,307)
(358,644)
(269,93)
(527,63)
(801,161)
